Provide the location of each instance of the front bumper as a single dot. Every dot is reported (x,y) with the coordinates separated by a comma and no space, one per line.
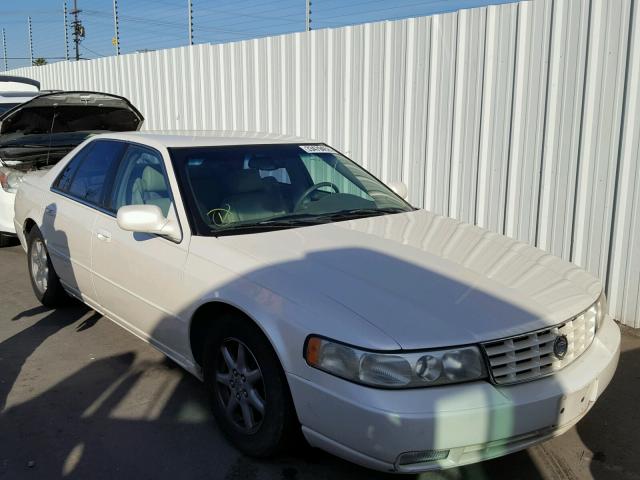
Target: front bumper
(474,421)
(7,201)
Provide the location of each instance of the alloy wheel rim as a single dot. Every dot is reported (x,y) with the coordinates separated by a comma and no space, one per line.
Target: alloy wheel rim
(241,390)
(39,266)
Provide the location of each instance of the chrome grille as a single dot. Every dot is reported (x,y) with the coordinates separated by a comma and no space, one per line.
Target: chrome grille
(530,356)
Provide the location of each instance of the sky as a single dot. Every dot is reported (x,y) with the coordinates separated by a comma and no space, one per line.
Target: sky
(157,24)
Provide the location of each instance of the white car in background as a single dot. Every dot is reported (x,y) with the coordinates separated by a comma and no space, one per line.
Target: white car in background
(37,133)
(13,92)
(308,296)
(16,90)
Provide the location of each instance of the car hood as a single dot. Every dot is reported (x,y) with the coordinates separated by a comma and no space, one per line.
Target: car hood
(425,280)
(61,112)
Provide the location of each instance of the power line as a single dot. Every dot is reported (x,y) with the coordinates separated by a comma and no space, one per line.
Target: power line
(218,12)
(27,58)
(163,23)
(93,51)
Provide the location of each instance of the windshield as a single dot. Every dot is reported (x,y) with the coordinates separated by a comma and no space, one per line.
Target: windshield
(249,187)
(5,107)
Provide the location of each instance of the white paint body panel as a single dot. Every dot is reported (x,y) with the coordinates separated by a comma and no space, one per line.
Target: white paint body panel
(7,200)
(408,281)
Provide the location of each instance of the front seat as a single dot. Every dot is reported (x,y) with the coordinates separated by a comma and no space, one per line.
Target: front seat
(151,189)
(249,199)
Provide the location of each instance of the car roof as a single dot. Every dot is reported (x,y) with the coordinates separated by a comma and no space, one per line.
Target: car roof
(11,83)
(203,138)
(17,97)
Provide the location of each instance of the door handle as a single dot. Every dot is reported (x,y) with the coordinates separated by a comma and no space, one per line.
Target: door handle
(103,235)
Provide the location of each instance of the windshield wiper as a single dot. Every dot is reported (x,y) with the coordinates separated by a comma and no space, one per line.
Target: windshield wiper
(363,213)
(266,225)
(304,220)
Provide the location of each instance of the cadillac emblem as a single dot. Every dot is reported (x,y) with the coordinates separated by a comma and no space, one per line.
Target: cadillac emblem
(560,346)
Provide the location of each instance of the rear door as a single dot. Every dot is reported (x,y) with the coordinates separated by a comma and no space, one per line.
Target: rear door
(138,276)
(78,194)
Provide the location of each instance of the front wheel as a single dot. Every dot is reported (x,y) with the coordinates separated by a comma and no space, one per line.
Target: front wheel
(249,392)
(44,280)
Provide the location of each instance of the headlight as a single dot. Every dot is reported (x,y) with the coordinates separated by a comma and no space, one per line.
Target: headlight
(601,309)
(10,179)
(398,369)
(593,317)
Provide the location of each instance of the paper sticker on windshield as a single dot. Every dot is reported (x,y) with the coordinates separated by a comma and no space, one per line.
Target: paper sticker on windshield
(317,149)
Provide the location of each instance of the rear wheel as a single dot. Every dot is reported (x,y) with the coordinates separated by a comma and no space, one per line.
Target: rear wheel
(44,280)
(249,392)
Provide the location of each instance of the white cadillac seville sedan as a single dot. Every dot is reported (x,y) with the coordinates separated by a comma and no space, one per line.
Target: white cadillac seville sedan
(308,296)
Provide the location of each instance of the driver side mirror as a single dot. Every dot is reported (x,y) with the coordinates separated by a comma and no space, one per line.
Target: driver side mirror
(148,219)
(399,188)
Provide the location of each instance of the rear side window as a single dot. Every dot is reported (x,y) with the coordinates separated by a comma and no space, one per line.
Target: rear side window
(90,180)
(64,179)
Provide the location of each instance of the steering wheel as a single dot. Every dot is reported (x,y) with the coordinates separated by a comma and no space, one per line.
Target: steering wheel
(312,189)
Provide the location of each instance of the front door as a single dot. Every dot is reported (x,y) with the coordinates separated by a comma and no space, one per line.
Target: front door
(138,277)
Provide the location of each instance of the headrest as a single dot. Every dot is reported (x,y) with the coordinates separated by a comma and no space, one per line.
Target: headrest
(153,180)
(265,162)
(244,181)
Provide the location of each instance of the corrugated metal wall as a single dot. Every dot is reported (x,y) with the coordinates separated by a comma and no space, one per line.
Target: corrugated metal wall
(523,118)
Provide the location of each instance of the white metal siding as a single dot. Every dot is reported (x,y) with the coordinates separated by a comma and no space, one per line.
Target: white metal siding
(523,118)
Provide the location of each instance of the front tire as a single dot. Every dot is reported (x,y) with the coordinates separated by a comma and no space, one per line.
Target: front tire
(249,393)
(44,280)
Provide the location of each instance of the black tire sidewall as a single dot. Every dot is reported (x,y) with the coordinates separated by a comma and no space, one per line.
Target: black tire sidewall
(279,423)
(54,295)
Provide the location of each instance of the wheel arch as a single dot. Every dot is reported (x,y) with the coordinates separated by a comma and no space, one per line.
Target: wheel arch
(207,315)
(28,225)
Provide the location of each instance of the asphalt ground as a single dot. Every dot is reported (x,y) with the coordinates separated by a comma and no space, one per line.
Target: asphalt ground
(82,398)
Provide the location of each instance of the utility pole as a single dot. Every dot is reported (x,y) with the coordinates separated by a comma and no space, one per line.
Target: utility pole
(30,42)
(116,38)
(78,29)
(4,49)
(66,33)
(190,8)
(308,16)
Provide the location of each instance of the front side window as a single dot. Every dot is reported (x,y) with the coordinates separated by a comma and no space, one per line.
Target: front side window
(141,180)
(235,189)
